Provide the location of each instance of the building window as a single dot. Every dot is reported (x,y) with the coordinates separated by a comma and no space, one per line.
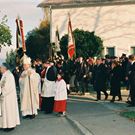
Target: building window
(110,51)
(132,50)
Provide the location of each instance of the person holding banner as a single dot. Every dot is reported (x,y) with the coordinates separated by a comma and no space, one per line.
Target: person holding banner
(9,114)
(29,85)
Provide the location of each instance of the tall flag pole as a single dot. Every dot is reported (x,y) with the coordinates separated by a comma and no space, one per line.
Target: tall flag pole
(20,40)
(50,47)
(18,34)
(57,40)
(71,41)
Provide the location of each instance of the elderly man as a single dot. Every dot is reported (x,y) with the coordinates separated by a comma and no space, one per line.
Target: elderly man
(29,86)
(9,118)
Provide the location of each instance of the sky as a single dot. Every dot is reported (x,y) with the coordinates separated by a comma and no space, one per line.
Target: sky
(27,10)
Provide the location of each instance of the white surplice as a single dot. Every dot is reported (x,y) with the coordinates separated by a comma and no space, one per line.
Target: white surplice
(60,91)
(48,89)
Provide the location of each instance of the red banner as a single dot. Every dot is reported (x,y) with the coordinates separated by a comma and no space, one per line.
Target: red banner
(71,42)
(20,40)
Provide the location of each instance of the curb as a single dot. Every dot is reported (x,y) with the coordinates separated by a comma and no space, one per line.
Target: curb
(112,106)
(116,107)
(83,130)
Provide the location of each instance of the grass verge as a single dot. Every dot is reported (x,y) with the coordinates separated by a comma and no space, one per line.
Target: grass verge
(129,114)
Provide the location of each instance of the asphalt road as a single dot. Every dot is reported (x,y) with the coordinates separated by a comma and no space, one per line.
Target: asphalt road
(101,118)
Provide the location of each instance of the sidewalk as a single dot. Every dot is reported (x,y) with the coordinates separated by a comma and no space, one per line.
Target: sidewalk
(44,125)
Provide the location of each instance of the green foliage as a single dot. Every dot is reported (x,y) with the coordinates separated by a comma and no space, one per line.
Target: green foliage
(87,44)
(11,59)
(63,46)
(5,33)
(37,43)
(129,115)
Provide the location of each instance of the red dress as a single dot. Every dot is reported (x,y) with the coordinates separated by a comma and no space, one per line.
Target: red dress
(60,106)
(60,96)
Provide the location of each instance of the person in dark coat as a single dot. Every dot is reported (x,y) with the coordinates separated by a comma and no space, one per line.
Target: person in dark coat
(67,74)
(78,73)
(132,80)
(38,67)
(17,73)
(100,79)
(59,66)
(66,71)
(124,63)
(0,76)
(116,77)
(129,64)
(85,78)
(82,71)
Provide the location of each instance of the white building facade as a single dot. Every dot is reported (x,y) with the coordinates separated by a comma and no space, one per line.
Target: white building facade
(115,24)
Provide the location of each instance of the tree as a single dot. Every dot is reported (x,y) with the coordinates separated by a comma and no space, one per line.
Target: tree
(37,43)
(87,44)
(11,59)
(5,33)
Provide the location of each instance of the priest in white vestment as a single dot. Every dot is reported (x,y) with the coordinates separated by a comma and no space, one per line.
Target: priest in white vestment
(29,87)
(9,114)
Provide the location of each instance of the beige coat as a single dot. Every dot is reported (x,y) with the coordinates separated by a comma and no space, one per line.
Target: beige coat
(29,97)
(8,102)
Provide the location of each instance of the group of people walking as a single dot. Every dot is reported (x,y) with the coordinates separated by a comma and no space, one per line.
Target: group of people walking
(53,93)
(110,73)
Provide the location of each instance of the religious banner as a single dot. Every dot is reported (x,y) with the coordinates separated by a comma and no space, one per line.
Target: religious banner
(20,41)
(71,41)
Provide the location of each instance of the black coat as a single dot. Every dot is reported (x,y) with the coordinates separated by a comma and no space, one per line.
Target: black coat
(39,69)
(132,75)
(66,71)
(81,70)
(132,83)
(0,76)
(100,77)
(116,77)
(17,75)
(51,74)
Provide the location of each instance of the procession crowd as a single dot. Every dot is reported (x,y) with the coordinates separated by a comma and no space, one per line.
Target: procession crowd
(44,85)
